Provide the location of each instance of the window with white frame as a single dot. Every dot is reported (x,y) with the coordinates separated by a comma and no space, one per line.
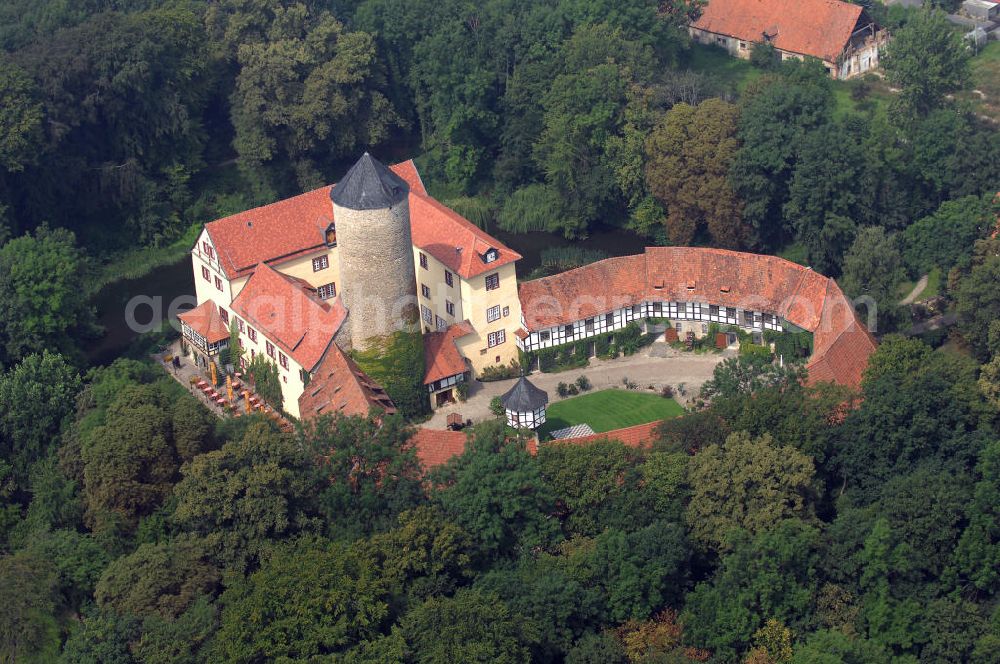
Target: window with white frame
(239,324)
(425,291)
(440,323)
(426,314)
(321,263)
(492,314)
(252,333)
(423,260)
(506,312)
(206,275)
(449,307)
(224,315)
(327,291)
(283,359)
(492,281)
(448,278)
(496,338)
(269,347)
(218,283)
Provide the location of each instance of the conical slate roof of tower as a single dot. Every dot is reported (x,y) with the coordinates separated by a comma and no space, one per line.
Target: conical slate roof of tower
(524,397)
(369,185)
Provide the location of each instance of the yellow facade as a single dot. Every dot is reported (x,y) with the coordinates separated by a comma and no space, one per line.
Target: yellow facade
(302,268)
(463,299)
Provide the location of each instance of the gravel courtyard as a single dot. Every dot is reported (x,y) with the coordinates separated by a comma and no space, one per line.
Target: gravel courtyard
(657,365)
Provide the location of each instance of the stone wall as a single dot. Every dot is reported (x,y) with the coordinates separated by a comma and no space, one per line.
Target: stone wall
(377,280)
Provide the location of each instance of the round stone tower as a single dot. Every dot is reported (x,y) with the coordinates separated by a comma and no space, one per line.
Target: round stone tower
(377,282)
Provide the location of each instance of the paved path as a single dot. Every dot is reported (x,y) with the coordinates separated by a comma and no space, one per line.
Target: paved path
(918,288)
(657,365)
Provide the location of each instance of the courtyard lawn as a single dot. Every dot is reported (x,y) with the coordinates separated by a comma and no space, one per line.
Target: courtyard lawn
(731,72)
(608,410)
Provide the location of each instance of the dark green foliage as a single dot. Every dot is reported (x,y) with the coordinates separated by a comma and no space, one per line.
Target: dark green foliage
(266,382)
(977,302)
(255,490)
(774,118)
(557,605)
(773,575)
(28,627)
(945,238)
(396,362)
(824,202)
(39,296)
(978,552)
(369,473)
(496,492)
(123,96)
(470,626)
(792,346)
(597,486)
(918,405)
(873,267)
(307,93)
(927,60)
(38,394)
(158,580)
(636,572)
(745,374)
(560,259)
(308,599)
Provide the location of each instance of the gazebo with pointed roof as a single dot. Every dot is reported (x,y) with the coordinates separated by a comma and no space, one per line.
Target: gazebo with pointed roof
(524,405)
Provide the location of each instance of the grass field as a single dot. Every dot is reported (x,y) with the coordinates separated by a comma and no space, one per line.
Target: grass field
(608,410)
(932,289)
(796,253)
(731,72)
(986,79)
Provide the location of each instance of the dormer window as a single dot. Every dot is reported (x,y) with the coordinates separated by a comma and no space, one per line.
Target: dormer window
(491,255)
(331,235)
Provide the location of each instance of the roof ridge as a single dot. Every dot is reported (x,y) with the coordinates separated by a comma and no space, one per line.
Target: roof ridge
(475,231)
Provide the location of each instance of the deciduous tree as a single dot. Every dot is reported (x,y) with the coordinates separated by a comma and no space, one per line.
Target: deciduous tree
(873,268)
(469,626)
(368,470)
(746,483)
(253,491)
(496,492)
(40,301)
(927,60)
(308,599)
(689,154)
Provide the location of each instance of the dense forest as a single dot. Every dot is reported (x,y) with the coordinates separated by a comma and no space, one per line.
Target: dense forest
(777,523)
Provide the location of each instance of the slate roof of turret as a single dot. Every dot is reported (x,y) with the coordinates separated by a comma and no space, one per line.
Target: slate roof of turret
(524,397)
(369,185)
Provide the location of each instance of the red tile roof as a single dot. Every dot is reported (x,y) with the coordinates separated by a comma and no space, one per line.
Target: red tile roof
(289,313)
(716,276)
(295,227)
(820,28)
(435,447)
(441,355)
(205,320)
(454,240)
(340,386)
(639,435)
